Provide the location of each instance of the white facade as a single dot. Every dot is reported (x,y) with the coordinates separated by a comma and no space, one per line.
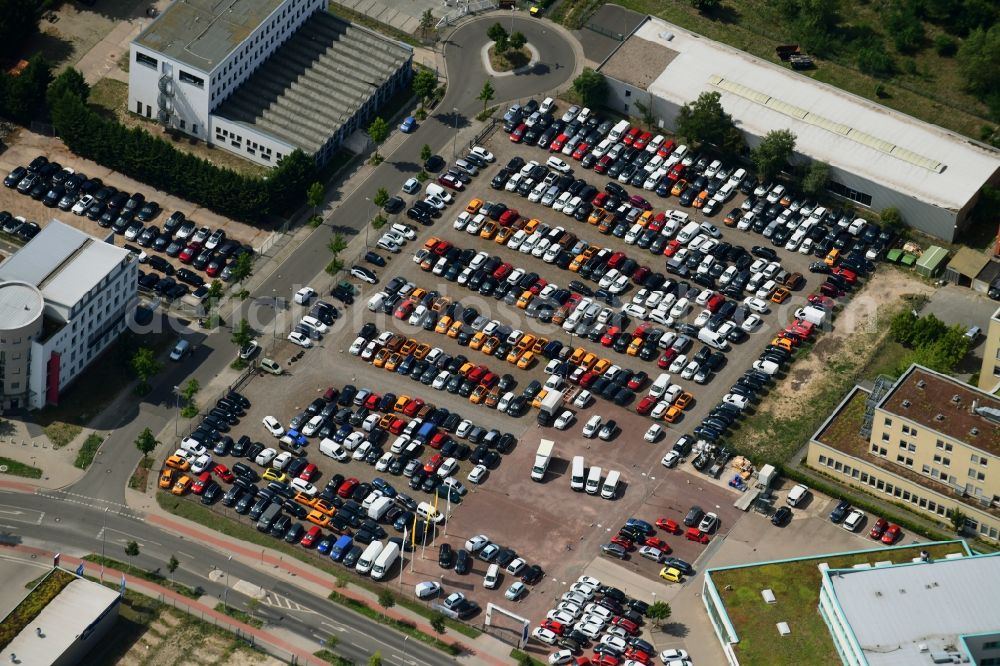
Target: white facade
(89,291)
(878,157)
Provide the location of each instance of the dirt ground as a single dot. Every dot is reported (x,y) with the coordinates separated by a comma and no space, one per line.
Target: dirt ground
(173,638)
(70,31)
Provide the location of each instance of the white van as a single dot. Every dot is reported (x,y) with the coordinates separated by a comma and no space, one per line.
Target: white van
(439,192)
(713,339)
(689,231)
(387,557)
(610,489)
(492,578)
(796,495)
(426,511)
(376,301)
(660,385)
(578,476)
(328,447)
(619,129)
(593,480)
(367,559)
(180,350)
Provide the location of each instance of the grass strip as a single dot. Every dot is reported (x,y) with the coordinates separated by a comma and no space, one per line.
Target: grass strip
(33,604)
(399,625)
(151,576)
(423,611)
(332,658)
(61,434)
(17,468)
(85,456)
(237,614)
(524,659)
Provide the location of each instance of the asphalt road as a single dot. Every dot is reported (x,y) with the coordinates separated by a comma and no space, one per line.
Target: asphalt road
(54,524)
(106,479)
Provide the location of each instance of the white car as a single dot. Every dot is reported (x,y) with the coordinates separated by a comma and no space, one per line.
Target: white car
(709,523)
(659,409)
(564,420)
(591,427)
(265,457)
(590,629)
(561,657)
(751,323)
(678,364)
(314,424)
(201,463)
(298,339)
(304,487)
(477,474)
(690,370)
(560,616)
(544,635)
(756,304)
(427,589)
(636,311)
(671,458)
(312,322)
(559,165)
(615,642)
(273,426)
(481,152)
(600,611)
(702,318)
(477,543)
(680,308)
(304,295)
(357,346)
(673,653)
(583,399)
(585,591)
(654,433)
(736,400)
(383,463)
(81,206)
(411,186)
(362,451)
(388,245)
(447,468)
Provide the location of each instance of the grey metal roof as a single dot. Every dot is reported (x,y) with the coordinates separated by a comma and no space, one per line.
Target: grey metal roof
(201,33)
(894,610)
(20,304)
(63,262)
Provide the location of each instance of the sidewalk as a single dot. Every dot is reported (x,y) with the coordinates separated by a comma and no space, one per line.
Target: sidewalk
(36,450)
(484,649)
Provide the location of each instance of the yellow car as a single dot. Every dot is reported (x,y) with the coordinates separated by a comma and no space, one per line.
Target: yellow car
(699,201)
(673,413)
(526,360)
(490,345)
(670,574)
(271,474)
(577,356)
(401,403)
(456,328)
(474,206)
(421,351)
(443,324)
(780,295)
(408,347)
(305,500)
(578,261)
(645,218)
(478,394)
(539,345)
(531,225)
(679,187)
(684,400)
(466,368)
(417,294)
(393,361)
(477,340)
(166,477)
(538,399)
(601,365)
(182,486)
(589,359)
(318,517)
(489,230)
(513,354)
(596,216)
(177,462)
(504,235)
(525,298)
(634,346)
(380,358)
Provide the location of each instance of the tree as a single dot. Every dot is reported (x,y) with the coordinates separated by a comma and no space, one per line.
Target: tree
(499,37)
(437,622)
(424,83)
(242,268)
(23,97)
(487,93)
(425,153)
(173,564)
(591,87)
(337,244)
(815,24)
(426,22)
(957,518)
(314,196)
(378,132)
(905,27)
(132,550)
(874,60)
(146,442)
(381,197)
(816,178)
(145,365)
(979,62)
(386,599)
(516,41)
(901,327)
(659,611)
(892,219)
(704,121)
(242,334)
(375,659)
(18,21)
(771,155)
(190,389)
(706,6)
(69,82)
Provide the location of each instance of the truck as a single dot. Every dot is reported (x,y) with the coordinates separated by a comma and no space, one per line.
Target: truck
(551,402)
(813,315)
(542,458)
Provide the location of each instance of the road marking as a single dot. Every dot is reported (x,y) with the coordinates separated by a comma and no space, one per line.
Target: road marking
(181,552)
(83,500)
(13,513)
(335,627)
(135,538)
(280,601)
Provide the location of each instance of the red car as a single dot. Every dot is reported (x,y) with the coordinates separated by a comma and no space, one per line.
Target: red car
(198,487)
(441,247)
(509,217)
(821,301)
(676,171)
(581,149)
(666,358)
(438,440)
(626,624)
(189,252)
(403,310)
(413,406)
(848,275)
(489,379)
(605,660)
(624,542)
(671,248)
(656,224)
(646,405)
(556,628)
(312,537)
(892,535)
(432,465)
(603,164)
(309,472)
(640,274)
(347,488)
(643,140)
(214,268)
(609,336)
(558,143)
(223,473)
(517,136)
(879,528)
(636,654)
(371,402)
(715,302)
(502,271)
(477,373)
(637,380)
(616,259)
(397,426)
(631,136)
(666,148)
(588,379)
(538,286)
(658,543)
(449,180)
(600,199)
(667,525)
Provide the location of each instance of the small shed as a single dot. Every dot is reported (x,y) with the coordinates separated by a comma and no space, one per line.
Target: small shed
(965,266)
(932,262)
(986,277)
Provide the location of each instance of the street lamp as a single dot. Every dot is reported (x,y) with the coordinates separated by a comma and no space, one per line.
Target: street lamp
(104,542)
(225,595)
(454,137)
(371,217)
(405,638)
(177,406)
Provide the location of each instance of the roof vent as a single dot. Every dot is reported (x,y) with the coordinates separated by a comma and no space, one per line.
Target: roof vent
(783,628)
(768,595)
(974,432)
(956,398)
(921,384)
(939,417)
(907,403)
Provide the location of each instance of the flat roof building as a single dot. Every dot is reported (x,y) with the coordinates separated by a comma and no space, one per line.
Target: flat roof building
(262,78)
(878,157)
(64,297)
(926,440)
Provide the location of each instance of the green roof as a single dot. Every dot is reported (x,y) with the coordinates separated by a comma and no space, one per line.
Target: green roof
(201,33)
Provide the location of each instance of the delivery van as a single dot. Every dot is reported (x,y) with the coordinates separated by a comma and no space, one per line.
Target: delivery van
(610,489)
(796,495)
(383,564)
(578,475)
(689,231)
(594,480)
(616,132)
(367,559)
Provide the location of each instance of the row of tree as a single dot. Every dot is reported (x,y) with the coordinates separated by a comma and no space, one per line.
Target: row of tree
(932,343)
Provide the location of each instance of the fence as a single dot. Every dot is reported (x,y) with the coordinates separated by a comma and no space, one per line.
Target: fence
(468,7)
(487,131)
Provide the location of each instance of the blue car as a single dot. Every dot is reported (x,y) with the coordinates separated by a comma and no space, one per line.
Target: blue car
(324,546)
(409,124)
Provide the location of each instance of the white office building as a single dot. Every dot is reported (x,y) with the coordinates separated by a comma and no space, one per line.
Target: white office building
(878,157)
(261,78)
(64,298)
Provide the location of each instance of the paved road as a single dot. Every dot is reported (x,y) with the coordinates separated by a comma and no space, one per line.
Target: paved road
(51,523)
(107,478)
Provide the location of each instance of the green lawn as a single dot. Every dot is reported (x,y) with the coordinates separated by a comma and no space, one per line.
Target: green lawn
(16,468)
(796,587)
(151,576)
(926,85)
(88,451)
(61,434)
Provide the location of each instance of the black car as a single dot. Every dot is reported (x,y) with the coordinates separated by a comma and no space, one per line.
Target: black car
(394,205)
(532,575)
(781,516)
(374,258)
(694,516)
(446,556)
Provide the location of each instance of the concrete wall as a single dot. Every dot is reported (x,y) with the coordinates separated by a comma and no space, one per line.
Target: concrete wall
(90,638)
(989,373)
(189,101)
(247,142)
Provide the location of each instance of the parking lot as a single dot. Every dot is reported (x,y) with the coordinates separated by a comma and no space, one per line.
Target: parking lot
(546,523)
